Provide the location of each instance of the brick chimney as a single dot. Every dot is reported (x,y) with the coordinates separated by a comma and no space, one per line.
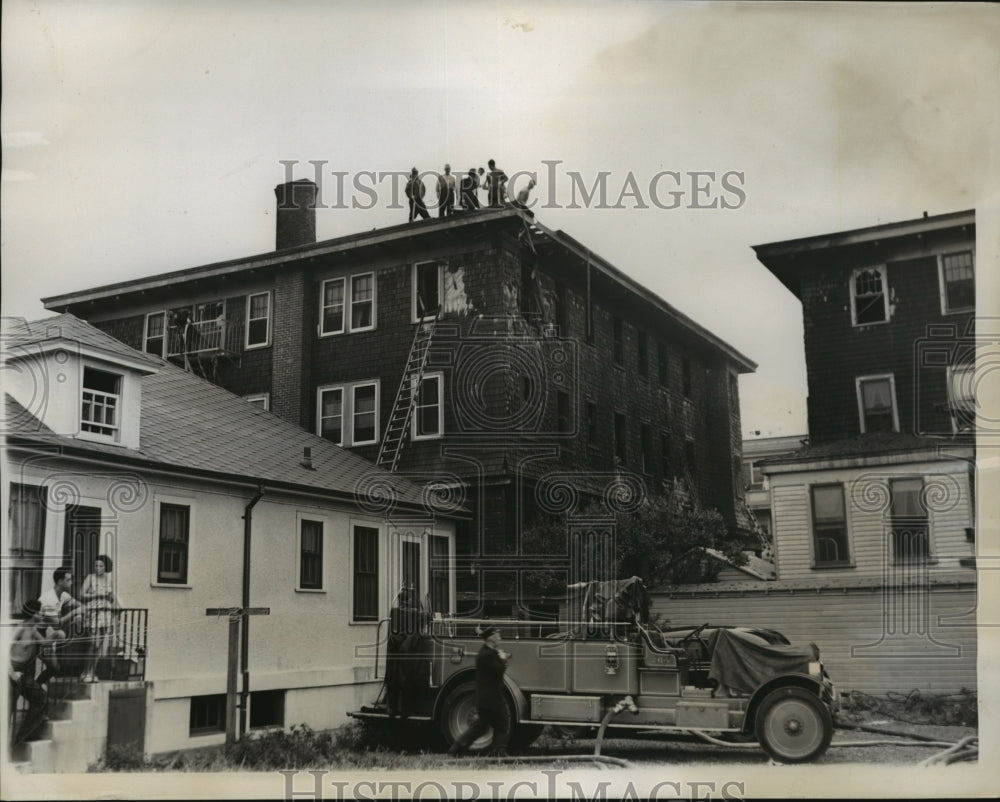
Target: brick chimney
(296,223)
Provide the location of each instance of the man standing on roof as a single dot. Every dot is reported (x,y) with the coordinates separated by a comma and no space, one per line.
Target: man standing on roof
(446,192)
(491,707)
(496,184)
(415,192)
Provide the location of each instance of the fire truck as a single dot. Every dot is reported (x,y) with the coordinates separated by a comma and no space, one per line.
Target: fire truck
(614,671)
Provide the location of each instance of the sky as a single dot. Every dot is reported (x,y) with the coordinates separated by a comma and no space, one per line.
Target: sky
(145,137)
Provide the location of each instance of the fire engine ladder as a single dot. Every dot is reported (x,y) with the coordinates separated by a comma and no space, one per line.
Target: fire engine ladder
(406,396)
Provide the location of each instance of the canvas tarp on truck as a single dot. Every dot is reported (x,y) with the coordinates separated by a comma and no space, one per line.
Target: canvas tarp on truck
(743,661)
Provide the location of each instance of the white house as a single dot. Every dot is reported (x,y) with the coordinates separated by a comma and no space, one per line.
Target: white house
(110,451)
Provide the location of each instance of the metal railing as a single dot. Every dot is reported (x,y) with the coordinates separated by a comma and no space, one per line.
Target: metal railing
(205,336)
(61,669)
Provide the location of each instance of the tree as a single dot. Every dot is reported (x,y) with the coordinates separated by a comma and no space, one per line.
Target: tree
(663,542)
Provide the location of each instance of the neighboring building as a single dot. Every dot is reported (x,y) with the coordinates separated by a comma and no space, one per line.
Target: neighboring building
(546,367)
(112,451)
(758,493)
(874,519)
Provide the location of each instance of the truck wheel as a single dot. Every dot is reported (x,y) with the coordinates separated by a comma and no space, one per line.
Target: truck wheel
(793,725)
(457,715)
(459,711)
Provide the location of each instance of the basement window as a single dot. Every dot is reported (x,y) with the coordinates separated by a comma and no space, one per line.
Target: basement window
(869,299)
(267,709)
(208,714)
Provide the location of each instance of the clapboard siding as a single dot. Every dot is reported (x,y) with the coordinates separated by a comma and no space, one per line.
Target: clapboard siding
(846,623)
(866,495)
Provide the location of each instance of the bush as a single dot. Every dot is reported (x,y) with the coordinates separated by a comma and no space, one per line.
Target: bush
(299,747)
(123,758)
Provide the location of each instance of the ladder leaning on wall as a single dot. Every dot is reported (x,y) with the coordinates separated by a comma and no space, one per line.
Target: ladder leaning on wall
(408,392)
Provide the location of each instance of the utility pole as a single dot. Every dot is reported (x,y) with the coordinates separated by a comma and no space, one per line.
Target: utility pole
(237,615)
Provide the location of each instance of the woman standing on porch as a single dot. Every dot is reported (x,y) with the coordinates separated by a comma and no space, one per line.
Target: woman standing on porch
(101,610)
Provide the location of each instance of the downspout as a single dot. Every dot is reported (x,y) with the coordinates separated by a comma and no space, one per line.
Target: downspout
(245,604)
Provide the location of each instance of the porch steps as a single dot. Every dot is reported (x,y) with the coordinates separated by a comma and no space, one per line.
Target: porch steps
(62,744)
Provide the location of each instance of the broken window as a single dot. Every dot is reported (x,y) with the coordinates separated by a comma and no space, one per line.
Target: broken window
(868,296)
(101,397)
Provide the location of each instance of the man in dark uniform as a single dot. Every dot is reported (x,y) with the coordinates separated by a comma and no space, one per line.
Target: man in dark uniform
(491,708)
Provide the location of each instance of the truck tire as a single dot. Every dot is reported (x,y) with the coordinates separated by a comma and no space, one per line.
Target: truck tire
(459,711)
(793,725)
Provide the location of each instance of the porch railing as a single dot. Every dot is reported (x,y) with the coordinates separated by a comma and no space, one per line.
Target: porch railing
(62,677)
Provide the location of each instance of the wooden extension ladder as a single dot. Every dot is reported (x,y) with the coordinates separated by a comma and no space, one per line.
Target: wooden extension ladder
(408,392)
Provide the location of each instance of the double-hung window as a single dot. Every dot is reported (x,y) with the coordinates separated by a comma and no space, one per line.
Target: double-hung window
(258,320)
(347,304)
(877,410)
(869,296)
(310,554)
(958,282)
(154,338)
(428,414)
(829,521)
(347,414)
(100,403)
(910,530)
(331,311)
(365,574)
(174,544)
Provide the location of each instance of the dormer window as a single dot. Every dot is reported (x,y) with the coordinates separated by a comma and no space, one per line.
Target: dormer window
(101,402)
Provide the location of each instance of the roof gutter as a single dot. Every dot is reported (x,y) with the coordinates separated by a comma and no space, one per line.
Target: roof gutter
(245,603)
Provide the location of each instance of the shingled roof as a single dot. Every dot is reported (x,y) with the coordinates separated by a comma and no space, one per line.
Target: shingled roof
(190,424)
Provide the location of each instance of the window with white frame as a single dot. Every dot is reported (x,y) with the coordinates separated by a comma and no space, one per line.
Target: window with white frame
(100,402)
(365,573)
(962,397)
(428,289)
(910,525)
(347,304)
(173,544)
(261,400)
(877,410)
(154,339)
(869,296)
(829,522)
(310,554)
(258,320)
(363,302)
(331,306)
(364,414)
(428,413)
(958,282)
(347,414)
(330,417)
